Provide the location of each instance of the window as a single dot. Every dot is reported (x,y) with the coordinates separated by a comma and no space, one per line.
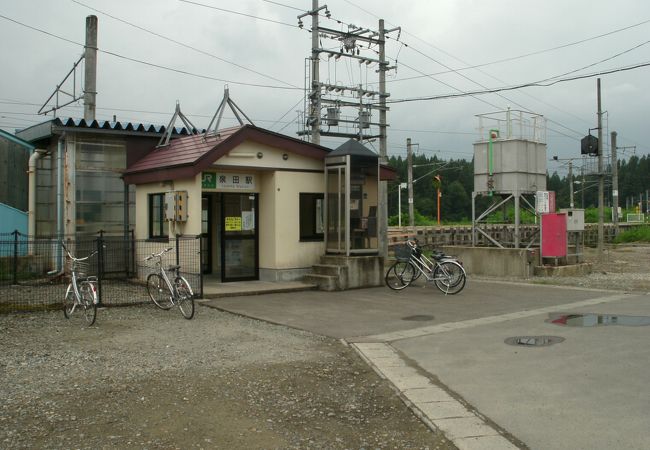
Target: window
(311,217)
(158,227)
(100,193)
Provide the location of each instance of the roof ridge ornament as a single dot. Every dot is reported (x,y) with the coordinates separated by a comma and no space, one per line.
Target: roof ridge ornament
(219,114)
(164,140)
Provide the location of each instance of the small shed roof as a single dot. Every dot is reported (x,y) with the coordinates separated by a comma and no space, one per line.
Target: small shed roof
(354,148)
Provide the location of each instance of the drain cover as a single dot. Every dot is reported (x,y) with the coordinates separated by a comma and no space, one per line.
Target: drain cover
(533,341)
(418,318)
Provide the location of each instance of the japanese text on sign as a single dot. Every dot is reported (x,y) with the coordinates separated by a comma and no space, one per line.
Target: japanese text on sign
(213,180)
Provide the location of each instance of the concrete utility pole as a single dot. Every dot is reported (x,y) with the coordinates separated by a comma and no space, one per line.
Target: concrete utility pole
(409,163)
(314,97)
(601,179)
(614,184)
(90,69)
(571,204)
(382,210)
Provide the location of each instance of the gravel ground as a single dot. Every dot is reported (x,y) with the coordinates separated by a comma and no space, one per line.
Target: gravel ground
(621,267)
(146,378)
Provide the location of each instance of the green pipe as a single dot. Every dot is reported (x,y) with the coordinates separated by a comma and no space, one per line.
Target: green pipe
(491,156)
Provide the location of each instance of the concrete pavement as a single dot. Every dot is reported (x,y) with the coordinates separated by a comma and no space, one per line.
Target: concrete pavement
(447,359)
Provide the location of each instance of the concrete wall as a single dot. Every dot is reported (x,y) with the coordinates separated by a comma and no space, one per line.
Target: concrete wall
(497,262)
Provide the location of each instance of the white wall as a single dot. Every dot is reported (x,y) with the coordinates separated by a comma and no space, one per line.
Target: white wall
(278,181)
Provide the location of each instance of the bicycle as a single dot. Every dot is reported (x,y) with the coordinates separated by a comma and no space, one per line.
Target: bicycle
(446,272)
(166,294)
(82,290)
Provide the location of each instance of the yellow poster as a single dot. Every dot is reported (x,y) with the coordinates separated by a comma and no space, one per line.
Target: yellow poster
(233,223)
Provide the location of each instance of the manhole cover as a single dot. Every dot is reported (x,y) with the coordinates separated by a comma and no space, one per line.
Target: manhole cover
(533,341)
(418,318)
(595,320)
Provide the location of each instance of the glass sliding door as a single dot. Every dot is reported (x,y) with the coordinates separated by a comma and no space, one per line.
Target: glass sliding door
(239,240)
(336,210)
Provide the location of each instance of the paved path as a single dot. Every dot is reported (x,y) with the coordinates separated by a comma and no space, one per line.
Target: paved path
(447,359)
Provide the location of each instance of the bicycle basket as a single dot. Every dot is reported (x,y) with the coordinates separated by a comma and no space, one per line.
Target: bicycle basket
(402,252)
(81,268)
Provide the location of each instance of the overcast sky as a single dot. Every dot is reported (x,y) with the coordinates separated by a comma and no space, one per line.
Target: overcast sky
(199,48)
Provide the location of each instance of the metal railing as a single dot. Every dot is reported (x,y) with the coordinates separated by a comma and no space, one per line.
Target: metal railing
(34,274)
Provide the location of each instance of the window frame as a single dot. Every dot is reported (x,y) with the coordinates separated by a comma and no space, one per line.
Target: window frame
(311,235)
(163,229)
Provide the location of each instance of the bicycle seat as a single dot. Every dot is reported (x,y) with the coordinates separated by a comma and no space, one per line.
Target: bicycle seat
(173,267)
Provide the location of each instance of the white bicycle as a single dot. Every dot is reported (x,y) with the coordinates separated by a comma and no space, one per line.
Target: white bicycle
(164,293)
(82,290)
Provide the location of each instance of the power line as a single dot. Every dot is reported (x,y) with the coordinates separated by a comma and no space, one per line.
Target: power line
(521,86)
(513,58)
(182,44)
(286,6)
(150,64)
(524,93)
(240,13)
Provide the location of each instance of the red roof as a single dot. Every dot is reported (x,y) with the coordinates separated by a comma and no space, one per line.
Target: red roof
(187,156)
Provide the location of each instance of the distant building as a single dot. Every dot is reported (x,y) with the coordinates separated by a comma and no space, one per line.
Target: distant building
(14,158)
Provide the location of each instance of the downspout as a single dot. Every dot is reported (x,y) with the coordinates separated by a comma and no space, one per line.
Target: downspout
(31,193)
(59,202)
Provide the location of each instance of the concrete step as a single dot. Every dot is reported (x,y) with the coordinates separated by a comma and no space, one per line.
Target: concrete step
(220,290)
(324,282)
(328,269)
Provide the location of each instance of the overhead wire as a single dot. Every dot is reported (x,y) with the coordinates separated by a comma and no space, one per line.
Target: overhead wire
(182,44)
(543,51)
(521,86)
(240,13)
(150,64)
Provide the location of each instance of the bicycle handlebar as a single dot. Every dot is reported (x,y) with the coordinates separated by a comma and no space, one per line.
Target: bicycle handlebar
(75,258)
(158,255)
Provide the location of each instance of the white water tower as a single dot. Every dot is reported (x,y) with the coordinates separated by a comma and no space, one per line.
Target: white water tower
(509,163)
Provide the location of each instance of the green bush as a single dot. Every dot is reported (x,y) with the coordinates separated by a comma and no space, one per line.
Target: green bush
(638,234)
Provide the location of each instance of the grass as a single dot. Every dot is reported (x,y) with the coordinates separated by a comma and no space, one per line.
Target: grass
(638,234)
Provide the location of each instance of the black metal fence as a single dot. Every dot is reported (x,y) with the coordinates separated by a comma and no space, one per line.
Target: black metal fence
(34,271)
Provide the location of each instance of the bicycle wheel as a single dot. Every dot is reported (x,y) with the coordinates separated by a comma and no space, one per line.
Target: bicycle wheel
(159,292)
(185,297)
(69,302)
(400,275)
(449,277)
(88,293)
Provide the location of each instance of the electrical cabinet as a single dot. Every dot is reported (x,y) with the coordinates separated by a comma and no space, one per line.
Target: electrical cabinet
(176,206)
(575,219)
(554,236)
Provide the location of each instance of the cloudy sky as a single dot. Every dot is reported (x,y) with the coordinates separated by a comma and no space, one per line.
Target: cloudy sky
(154,53)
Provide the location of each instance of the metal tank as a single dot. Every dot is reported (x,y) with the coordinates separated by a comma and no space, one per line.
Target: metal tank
(510,154)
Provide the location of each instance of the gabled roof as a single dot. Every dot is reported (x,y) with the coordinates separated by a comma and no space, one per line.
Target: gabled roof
(187,156)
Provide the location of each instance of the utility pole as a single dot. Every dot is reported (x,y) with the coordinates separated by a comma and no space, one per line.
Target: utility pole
(314,97)
(614,184)
(90,69)
(409,162)
(601,179)
(571,205)
(382,210)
